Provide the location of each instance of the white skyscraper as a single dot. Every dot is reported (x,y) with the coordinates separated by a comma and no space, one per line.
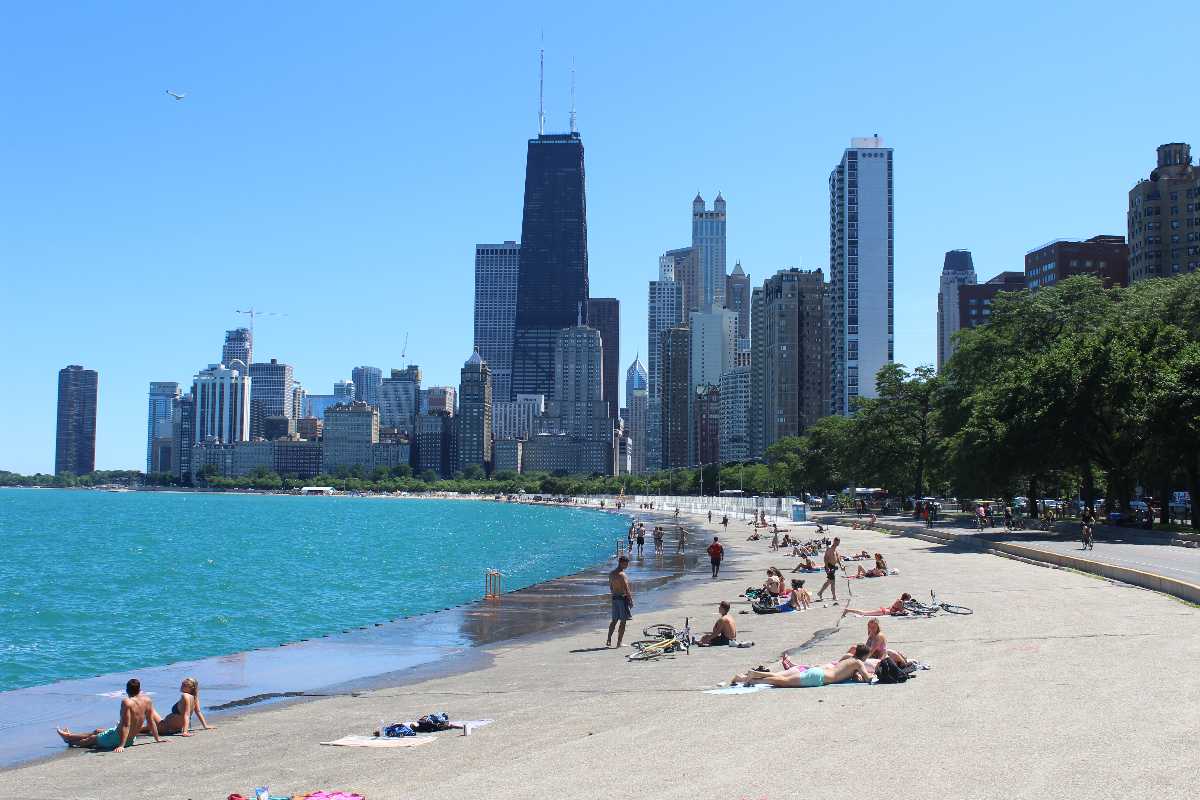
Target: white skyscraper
(714,341)
(636,405)
(513,419)
(164,397)
(222,397)
(708,243)
(860,270)
(496,268)
(957,270)
(665,312)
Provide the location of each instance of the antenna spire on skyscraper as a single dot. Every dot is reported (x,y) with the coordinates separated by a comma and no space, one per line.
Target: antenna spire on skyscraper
(572,94)
(541,88)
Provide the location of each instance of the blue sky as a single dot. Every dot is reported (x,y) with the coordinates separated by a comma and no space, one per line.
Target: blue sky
(338,164)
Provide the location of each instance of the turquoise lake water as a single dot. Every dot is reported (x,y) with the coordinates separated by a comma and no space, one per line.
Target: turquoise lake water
(95,582)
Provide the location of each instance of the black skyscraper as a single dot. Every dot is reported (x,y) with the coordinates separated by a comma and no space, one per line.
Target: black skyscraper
(552,281)
(604,314)
(75,443)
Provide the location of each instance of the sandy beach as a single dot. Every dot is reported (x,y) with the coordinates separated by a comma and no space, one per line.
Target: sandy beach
(1047,690)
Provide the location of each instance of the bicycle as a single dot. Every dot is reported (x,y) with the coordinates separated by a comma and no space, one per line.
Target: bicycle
(917,608)
(665,640)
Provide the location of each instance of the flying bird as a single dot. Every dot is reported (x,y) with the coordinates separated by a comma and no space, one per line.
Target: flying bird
(177,96)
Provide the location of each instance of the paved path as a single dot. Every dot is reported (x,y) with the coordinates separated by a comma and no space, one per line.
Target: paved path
(1181,563)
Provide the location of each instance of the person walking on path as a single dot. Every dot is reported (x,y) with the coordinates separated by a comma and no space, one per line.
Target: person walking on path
(622,600)
(833,560)
(716,552)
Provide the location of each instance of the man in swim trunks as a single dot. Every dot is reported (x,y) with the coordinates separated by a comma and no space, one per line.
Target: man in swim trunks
(716,552)
(724,631)
(833,560)
(852,669)
(622,600)
(136,710)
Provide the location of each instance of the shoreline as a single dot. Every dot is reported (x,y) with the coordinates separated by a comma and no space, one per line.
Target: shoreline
(393,653)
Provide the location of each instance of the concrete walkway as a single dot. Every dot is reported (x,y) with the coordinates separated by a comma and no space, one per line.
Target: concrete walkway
(1055,687)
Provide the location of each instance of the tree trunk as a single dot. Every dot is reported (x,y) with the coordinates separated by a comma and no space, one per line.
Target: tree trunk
(1164,501)
(1089,486)
(1032,509)
(1194,489)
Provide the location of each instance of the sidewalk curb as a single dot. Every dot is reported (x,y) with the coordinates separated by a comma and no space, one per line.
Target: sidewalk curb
(1189,592)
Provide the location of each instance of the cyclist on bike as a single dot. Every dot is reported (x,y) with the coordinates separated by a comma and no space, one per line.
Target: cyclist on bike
(1088,520)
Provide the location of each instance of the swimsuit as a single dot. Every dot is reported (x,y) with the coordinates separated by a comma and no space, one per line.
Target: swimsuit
(812,677)
(620,608)
(111,738)
(719,639)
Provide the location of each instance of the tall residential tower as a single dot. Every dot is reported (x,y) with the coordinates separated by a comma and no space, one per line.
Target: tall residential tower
(957,270)
(75,439)
(496,267)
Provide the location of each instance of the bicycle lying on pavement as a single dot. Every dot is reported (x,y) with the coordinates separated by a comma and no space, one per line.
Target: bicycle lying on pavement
(665,640)
(919,609)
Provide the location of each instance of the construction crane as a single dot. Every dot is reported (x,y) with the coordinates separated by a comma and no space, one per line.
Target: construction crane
(252,312)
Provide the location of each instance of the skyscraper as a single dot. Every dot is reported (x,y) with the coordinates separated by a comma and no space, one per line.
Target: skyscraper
(737,298)
(957,270)
(160,415)
(789,370)
(578,403)
(184,422)
(222,411)
(496,267)
(706,424)
(552,277)
(676,344)
(270,393)
(399,399)
(366,384)
(75,439)
(714,340)
(684,267)
(666,310)
(1161,209)
(735,414)
(604,314)
(860,270)
(440,400)
(474,427)
(239,346)
(708,243)
(637,398)
(343,391)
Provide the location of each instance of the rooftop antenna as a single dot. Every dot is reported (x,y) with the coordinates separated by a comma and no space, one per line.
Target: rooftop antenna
(253,312)
(573,94)
(541,88)
(579,314)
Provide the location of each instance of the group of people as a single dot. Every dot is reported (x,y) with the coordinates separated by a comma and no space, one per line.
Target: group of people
(859,663)
(137,715)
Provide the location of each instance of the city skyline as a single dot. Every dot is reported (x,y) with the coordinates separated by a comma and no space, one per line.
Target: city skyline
(118,251)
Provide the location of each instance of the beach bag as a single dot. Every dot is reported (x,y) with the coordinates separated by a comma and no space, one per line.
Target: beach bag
(889,672)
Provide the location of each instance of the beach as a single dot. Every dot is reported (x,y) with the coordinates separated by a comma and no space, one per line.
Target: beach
(1036,694)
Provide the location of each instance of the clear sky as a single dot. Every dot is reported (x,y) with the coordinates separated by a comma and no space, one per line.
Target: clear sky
(337,163)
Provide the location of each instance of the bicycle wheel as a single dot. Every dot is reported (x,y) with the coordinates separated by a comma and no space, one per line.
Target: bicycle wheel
(914,607)
(642,644)
(646,654)
(660,631)
(953,609)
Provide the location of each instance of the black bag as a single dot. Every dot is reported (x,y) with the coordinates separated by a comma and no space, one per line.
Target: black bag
(889,672)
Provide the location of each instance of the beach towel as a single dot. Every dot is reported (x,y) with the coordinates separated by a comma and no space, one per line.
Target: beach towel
(330,796)
(375,741)
(474,723)
(758,687)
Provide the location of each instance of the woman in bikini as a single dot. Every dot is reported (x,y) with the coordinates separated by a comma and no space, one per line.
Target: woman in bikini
(878,571)
(877,645)
(179,720)
(896,609)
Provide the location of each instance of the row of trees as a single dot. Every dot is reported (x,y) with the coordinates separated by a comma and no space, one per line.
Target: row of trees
(1072,390)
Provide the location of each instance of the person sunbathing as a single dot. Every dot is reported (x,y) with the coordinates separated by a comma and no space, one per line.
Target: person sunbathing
(774,583)
(798,598)
(134,708)
(806,565)
(851,669)
(876,645)
(878,571)
(179,720)
(724,631)
(754,537)
(896,609)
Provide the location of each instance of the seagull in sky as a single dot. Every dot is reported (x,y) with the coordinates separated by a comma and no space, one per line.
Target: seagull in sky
(177,96)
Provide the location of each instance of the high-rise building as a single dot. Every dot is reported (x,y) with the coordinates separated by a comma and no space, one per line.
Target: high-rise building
(708,243)
(604,314)
(435,444)
(270,393)
(474,425)
(1164,217)
(310,428)
(789,370)
(714,341)
(515,419)
(706,421)
(160,416)
(440,400)
(552,277)
(1106,257)
(298,400)
(957,270)
(683,266)
(399,398)
(316,404)
(975,299)
(278,428)
(496,267)
(350,430)
(344,392)
(665,310)
(675,402)
(578,407)
(737,298)
(366,384)
(222,395)
(75,440)
(184,422)
(637,398)
(239,346)
(735,414)
(860,271)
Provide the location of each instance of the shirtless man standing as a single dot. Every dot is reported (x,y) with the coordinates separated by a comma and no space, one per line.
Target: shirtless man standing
(622,600)
(136,710)
(833,560)
(724,631)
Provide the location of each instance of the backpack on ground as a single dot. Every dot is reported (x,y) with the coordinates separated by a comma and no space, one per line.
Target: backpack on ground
(889,672)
